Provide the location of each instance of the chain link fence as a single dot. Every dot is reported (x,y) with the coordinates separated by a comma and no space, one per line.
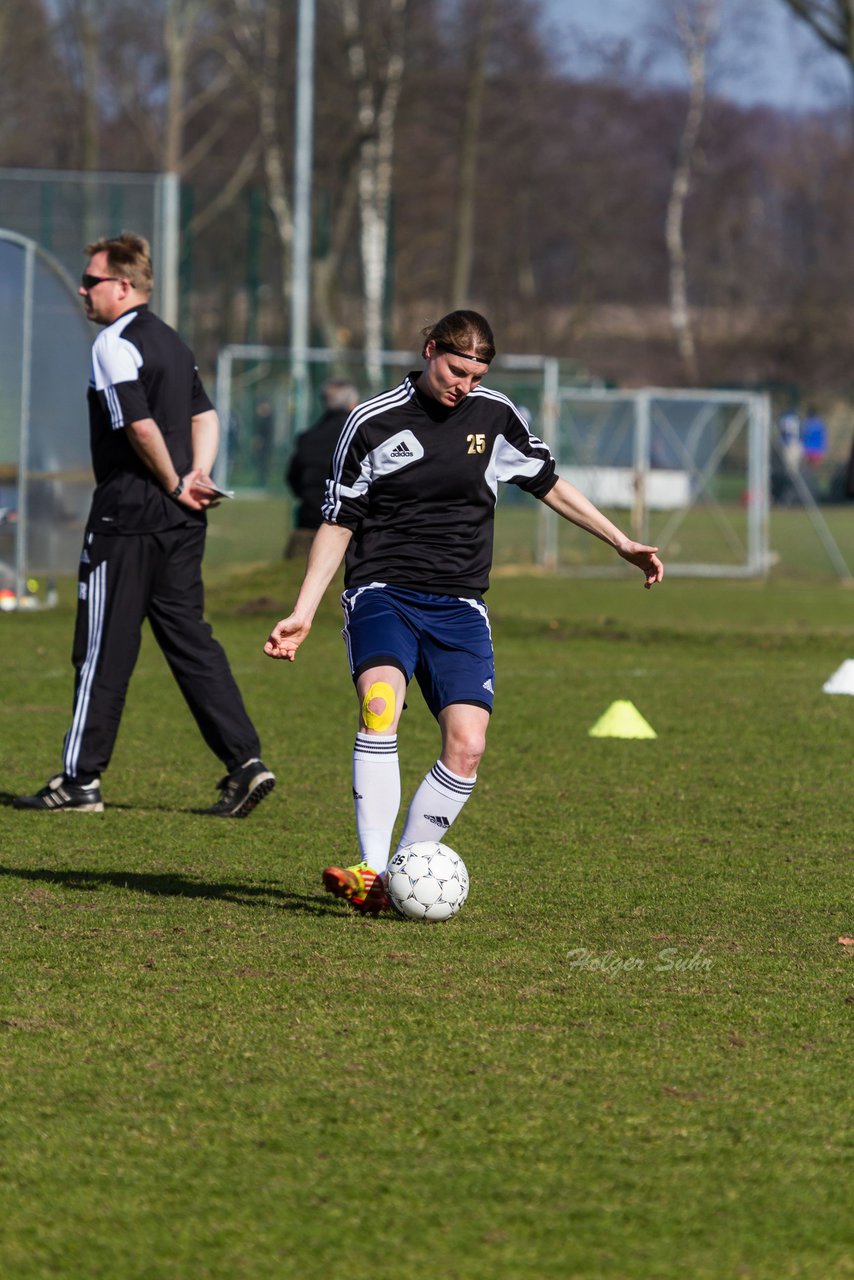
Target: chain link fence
(63,211)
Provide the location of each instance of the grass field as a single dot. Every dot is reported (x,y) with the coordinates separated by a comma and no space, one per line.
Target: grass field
(629,1056)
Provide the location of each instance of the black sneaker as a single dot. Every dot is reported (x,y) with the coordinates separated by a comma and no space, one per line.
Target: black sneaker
(242,790)
(61,793)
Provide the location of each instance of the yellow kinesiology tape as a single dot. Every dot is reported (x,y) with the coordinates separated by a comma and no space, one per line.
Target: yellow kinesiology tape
(378,706)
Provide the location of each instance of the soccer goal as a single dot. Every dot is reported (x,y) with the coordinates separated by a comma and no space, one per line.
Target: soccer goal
(687,471)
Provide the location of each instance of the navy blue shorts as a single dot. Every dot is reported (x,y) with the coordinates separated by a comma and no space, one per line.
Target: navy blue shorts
(443,641)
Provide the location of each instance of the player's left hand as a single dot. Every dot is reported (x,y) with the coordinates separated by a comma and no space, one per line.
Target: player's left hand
(645,559)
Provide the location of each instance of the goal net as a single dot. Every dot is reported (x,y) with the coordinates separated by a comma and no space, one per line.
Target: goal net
(687,471)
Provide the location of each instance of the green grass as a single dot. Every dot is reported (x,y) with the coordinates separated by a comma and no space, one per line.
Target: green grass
(628,1057)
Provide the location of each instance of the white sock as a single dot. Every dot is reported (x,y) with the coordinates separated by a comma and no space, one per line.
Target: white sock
(435,805)
(376,795)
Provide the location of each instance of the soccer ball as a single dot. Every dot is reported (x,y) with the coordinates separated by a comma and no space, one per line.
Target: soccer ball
(427,881)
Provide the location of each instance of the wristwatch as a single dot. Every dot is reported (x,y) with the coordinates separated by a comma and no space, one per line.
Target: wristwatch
(178,490)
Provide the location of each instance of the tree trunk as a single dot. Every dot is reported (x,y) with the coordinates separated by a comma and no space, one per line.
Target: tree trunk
(175,39)
(833,22)
(377,109)
(259,62)
(89,52)
(327,264)
(464,240)
(695,32)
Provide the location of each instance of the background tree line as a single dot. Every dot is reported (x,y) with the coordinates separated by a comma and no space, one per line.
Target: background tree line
(462,155)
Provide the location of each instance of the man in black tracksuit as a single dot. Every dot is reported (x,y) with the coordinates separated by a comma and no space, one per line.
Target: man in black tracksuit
(154,437)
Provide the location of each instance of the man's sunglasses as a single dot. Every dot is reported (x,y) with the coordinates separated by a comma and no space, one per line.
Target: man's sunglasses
(89,282)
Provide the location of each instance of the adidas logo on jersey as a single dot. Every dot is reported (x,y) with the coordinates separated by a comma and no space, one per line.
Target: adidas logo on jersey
(438,820)
(399,450)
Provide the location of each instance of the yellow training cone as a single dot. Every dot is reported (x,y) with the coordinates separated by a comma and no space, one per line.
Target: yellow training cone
(622,720)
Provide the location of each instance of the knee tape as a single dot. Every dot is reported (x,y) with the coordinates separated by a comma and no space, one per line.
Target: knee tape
(378,720)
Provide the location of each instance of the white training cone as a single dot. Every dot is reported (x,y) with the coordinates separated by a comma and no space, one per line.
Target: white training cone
(842,680)
(622,720)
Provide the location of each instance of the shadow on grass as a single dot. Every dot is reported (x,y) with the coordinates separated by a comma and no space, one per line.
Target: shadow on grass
(7,797)
(171,885)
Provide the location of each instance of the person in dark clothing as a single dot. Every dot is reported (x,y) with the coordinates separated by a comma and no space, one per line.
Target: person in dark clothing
(310,463)
(410,507)
(154,436)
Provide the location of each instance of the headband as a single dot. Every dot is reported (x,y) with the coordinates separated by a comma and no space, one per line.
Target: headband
(453,351)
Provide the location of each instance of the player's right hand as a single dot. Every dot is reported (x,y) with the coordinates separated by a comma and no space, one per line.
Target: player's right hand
(644,557)
(191,497)
(285,638)
(201,487)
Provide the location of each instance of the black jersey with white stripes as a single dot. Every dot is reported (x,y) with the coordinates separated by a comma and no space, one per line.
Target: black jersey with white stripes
(417,483)
(140,369)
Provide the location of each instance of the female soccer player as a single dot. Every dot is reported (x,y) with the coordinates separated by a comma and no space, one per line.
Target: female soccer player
(411,502)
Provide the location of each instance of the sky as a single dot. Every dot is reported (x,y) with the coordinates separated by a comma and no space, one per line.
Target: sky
(788,68)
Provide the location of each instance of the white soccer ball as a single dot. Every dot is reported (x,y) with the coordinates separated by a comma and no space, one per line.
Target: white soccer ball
(427,881)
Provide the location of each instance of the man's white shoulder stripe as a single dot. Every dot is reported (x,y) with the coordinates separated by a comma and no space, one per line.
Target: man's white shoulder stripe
(115,359)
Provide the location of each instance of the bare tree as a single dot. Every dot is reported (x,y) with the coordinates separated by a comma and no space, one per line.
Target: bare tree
(359,175)
(255,57)
(189,31)
(327,262)
(30,56)
(831,20)
(464,238)
(80,29)
(88,35)
(378,82)
(744,213)
(156,78)
(696,25)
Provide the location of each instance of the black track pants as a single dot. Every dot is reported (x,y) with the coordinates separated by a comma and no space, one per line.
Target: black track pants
(123,580)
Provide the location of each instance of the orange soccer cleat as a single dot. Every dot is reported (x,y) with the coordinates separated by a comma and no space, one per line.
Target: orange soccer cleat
(360,886)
